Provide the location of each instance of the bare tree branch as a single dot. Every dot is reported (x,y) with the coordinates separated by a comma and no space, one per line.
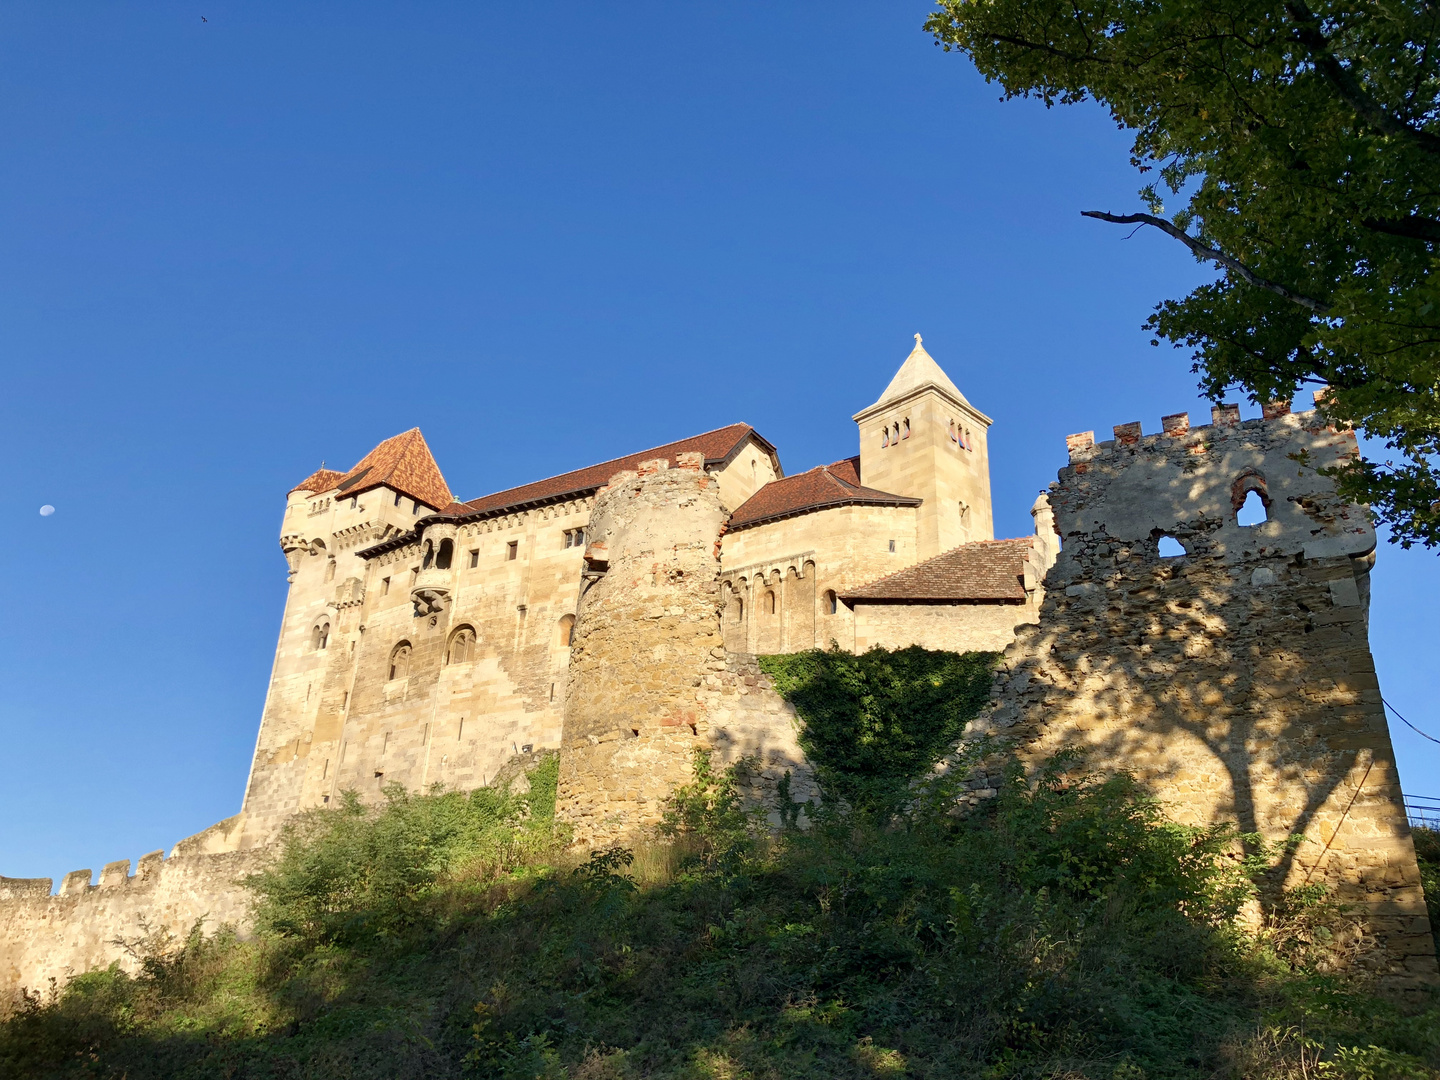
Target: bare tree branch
(1211,254)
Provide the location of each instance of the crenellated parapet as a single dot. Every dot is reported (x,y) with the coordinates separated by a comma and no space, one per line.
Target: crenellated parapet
(83,924)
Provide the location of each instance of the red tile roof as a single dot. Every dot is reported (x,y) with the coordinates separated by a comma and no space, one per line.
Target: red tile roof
(318,481)
(718,446)
(992,570)
(819,489)
(402,463)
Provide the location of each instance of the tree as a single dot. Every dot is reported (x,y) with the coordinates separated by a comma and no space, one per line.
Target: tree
(1304,145)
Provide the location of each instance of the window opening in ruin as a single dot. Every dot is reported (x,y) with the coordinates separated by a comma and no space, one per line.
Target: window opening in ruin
(462,646)
(968,444)
(832,602)
(527,747)
(770,601)
(1170,548)
(330,569)
(892,545)
(385,586)
(444,555)
(894,434)
(511,550)
(552,691)
(885,435)
(567,630)
(400,660)
(906,433)
(634,732)
(739,610)
(320,636)
(474,558)
(379,774)
(1253,511)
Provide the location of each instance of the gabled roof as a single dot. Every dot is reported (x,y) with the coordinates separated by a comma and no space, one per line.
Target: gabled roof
(402,463)
(917,372)
(985,570)
(819,489)
(318,481)
(719,447)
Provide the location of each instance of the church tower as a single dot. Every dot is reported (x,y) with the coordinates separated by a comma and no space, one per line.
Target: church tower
(924,440)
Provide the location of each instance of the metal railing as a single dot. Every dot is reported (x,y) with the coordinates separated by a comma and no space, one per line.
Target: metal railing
(1423,811)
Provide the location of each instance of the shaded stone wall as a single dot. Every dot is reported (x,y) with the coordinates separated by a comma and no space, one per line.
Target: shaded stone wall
(1236,680)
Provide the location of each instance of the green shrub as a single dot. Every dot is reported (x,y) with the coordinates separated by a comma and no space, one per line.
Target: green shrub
(1064,930)
(356,870)
(877,721)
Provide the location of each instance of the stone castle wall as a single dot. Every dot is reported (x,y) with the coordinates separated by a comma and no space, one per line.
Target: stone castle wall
(81,928)
(650,679)
(1235,680)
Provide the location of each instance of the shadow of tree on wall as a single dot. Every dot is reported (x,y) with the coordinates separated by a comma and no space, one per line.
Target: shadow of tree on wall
(1253,703)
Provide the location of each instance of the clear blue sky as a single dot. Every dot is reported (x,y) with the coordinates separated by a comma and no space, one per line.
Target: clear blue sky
(547,235)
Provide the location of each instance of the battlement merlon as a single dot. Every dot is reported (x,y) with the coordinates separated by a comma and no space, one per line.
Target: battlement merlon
(1189,483)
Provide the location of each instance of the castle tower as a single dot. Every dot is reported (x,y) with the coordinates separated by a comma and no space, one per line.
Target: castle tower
(646,647)
(924,440)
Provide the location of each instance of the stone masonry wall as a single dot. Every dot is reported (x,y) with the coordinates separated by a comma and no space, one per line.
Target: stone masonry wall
(44,937)
(1236,680)
(647,633)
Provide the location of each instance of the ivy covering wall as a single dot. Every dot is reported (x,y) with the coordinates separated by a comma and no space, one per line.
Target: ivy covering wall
(875,721)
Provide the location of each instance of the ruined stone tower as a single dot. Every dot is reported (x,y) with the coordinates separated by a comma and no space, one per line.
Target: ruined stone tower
(647,635)
(1235,678)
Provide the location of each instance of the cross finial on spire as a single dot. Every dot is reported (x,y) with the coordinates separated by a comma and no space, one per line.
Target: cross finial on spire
(917,341)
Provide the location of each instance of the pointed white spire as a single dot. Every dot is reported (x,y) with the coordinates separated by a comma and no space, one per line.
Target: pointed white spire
(919,370)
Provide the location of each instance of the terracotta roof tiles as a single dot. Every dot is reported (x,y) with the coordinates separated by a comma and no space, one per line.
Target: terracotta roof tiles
(403,463)
(819,489)
(717,446)
(986,570)
(318,481)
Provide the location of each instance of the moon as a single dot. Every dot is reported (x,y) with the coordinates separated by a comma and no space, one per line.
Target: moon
(46,510)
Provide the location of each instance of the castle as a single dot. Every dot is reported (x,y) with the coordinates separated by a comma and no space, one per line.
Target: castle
(614,613)
(427,640)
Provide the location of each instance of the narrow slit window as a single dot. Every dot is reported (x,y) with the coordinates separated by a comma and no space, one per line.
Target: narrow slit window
(511,550)
(384,586)
(474,558)
(892,545)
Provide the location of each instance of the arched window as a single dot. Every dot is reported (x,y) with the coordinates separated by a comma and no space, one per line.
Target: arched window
(400,660)
(444,555)
(1253,510)
(770,601)
(832,602)
(566,630)
(429,556)
(885,435)
(894,434)
(953,436)
(330,568)
(739,610)
(462,646)
(320,636)
(968,444)
(905,433)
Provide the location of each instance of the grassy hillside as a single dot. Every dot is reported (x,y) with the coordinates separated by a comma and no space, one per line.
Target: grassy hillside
(1066,930)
